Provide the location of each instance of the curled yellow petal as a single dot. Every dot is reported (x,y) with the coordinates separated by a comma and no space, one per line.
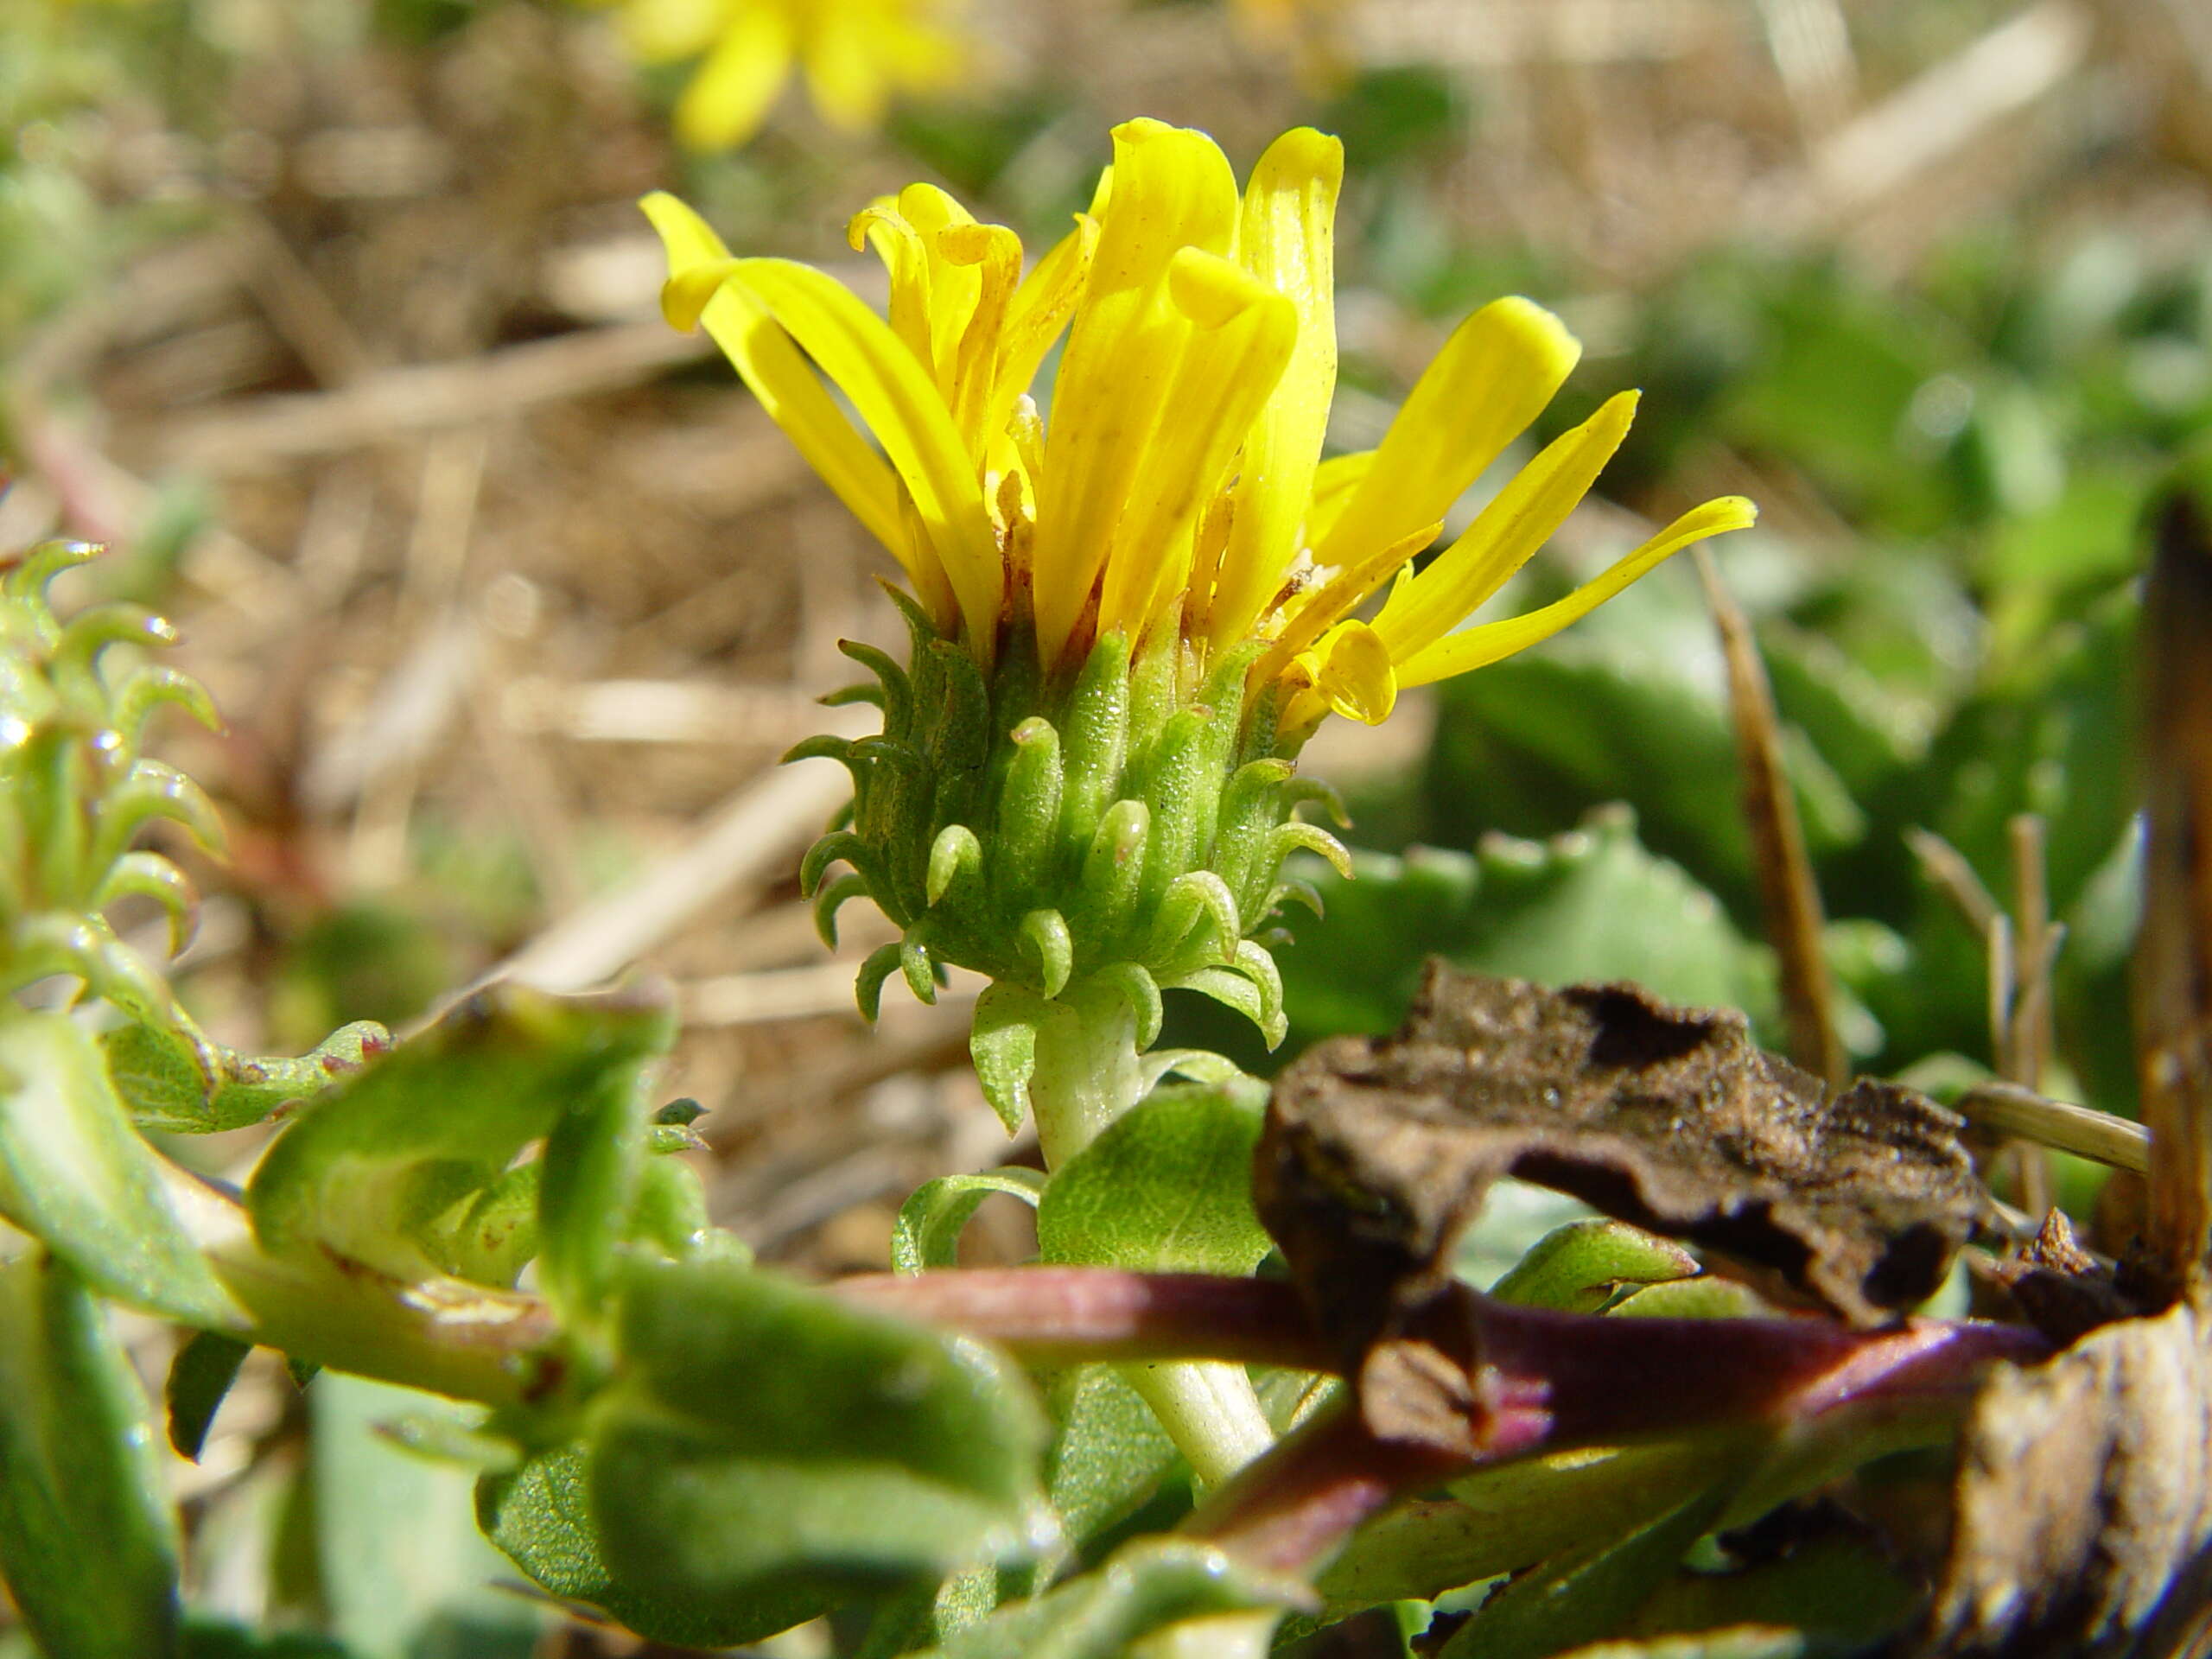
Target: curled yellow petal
(895,395)
(1337,598)
(1493,377)
(1356,679)
(1477,647)
(969,365)
(699,291)
(1287,239)
(896,241)
(1506,534)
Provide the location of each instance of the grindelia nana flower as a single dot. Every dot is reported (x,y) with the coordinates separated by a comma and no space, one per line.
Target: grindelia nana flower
(854,54)
(1130,610)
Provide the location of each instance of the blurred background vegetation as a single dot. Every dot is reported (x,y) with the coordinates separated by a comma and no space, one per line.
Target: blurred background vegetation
(336,320)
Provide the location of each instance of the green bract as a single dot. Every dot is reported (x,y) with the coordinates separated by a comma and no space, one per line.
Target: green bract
(1124,830)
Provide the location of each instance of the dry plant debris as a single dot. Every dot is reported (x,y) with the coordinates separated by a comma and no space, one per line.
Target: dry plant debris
(2083,1511)
(1378,1152)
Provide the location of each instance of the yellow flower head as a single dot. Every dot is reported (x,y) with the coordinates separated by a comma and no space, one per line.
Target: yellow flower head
(854,54)
(1177,489)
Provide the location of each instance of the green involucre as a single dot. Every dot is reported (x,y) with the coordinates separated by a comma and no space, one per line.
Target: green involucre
(1126,827)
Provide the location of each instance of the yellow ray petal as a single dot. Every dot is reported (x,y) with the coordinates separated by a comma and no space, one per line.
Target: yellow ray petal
(846,70)
(1035,317)
(660,31)
(1287,239)
(728,97)
(785,386)
(992,255)
(1355,676)
(1477,647)
(1239,333)
(1506,534)
(894,395)
(1172,190)
(1493,377)
(1335,482)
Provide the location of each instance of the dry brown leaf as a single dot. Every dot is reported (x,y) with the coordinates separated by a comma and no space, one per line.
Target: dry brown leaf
(1377,1151)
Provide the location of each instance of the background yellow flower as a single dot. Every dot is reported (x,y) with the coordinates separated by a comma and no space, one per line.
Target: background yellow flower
(855,56)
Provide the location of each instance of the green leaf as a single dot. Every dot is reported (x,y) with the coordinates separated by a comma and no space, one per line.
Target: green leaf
(586,1194)
(929,1613)
(199,1376)
(669,1213)
(1706,1297)
(1515,1215)
(403,1569)
(927,1234)
(371,1167)
(1840,1589)
(74,1173)
(1142,1587)
(1110,1454)
(1749,1641)
(1579,1268)
(1588,1593)
(492,1238)
(1507,1518)
(87,1541)
(1165,1187)
(206,1638)
(540,1516)
(761,1438)
(178,1086)
(1591,905)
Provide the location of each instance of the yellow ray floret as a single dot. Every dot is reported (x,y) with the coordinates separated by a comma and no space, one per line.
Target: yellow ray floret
(1176,489)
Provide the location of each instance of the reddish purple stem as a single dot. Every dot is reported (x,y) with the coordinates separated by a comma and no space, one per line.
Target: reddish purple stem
(1063,1315)
(1548,1380)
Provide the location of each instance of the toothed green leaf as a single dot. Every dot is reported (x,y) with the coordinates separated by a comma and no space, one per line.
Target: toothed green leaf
(180,1087)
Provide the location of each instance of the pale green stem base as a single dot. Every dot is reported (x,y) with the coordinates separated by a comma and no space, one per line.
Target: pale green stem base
(1209,1410)
(1087,1075)
(1225,1636)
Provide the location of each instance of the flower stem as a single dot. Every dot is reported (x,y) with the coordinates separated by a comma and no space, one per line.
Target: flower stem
(1209,1409)
(1086,1074)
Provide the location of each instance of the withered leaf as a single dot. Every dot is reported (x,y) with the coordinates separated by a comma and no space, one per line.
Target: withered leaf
(2083,1508)
(1377,1151)
(2064,1290)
